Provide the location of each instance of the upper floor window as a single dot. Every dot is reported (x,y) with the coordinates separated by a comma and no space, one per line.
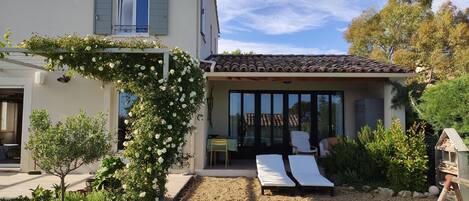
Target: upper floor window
(132,17)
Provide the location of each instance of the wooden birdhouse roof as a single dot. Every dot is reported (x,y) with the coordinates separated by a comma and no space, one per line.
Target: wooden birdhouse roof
(455,141)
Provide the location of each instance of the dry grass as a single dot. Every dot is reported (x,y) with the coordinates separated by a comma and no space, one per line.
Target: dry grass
(241,188)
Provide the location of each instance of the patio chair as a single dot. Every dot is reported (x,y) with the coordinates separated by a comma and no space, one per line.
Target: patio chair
(300,143)
(325,146)
(305,170)
(271,172)
(219,145)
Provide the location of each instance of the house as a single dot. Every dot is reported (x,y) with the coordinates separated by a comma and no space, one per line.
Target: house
(256,100)
(191,25)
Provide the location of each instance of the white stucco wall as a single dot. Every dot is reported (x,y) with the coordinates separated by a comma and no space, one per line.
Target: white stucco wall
(61,17)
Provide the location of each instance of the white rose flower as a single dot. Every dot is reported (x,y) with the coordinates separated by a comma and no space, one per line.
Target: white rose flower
(191,101)
(193,93)
(127,165)
(170,139)
(137,65)
(124,186)
(174,114)
(125,144)
(154,187)
(160,81)
(88,48)
(157,136)
(142,194)
(61,57)
(170,127)
(152,68)
(171,71)
(163,121)
(175,58)
(149,148)
(164,150)
(93,59)
(184,105)
(160,159)
(182,99)
(159,152)
(112,65)
(173,145)
(142,68)
(162,88)
(100,68)
(160,61)
(137,155)
(130,114)
(191,79)
(82,68)
(183,72)
(140,74)
(149,170)
(183,123)
(179,79)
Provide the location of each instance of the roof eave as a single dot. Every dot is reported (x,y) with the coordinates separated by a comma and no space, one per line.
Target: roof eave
(308,74)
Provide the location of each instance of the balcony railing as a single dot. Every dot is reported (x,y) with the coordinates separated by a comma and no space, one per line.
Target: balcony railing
(129,29)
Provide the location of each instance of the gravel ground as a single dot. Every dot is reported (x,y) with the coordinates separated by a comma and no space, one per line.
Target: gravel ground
(215,188)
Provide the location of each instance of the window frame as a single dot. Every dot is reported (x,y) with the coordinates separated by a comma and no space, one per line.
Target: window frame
(117,20)
(313,110)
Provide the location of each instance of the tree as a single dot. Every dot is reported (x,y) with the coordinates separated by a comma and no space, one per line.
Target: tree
(447,104)
(379,35)
(63,147)
(408,33)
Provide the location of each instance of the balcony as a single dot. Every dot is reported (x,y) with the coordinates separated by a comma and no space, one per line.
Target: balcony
(133,30)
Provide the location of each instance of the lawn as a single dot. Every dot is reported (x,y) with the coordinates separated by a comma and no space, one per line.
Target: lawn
(241,188)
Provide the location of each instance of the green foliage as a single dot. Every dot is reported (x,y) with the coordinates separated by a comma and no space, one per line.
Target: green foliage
(6,42)
(350,162)
(238,52)
(382,156)
(411,35)
(160,118)
(105,179)
(408,165)
(41,194)
(446,105)
(63,147)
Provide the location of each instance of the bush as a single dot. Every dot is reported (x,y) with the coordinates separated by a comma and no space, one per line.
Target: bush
(105,179)
(391,156)
(445,105)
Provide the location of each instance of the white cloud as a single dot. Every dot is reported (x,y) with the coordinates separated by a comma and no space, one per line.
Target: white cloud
(461,4)
(341,29)
(287,16)
(270,48)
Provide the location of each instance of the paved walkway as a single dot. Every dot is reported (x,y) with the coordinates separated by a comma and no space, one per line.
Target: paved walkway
(14,184)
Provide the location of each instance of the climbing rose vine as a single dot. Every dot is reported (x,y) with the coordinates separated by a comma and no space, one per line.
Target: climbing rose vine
(160,117)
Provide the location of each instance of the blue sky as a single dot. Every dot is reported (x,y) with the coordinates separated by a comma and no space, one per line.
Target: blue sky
(292,26)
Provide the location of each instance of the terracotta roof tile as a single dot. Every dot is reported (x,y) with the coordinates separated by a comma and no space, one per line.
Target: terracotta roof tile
(300,63)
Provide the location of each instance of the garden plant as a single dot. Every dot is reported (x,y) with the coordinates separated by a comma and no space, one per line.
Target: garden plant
(162,114)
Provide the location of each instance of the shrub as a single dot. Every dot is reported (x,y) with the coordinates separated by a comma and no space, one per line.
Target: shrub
(408,165)
(350,162)
(379,156)
(446,104)
(61,148)
(41,194)
(104,178)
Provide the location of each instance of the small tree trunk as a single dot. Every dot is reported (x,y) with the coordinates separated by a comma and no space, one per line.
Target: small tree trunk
(62,187)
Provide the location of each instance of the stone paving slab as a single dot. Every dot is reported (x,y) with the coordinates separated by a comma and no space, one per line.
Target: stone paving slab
(14,184)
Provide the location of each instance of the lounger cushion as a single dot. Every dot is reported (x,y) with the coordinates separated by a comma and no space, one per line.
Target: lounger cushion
(271,171)
(306,172)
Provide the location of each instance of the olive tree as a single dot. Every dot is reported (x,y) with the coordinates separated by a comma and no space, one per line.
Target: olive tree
(59,148)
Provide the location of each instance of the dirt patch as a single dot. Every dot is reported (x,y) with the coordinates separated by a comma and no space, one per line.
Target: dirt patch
(241,188)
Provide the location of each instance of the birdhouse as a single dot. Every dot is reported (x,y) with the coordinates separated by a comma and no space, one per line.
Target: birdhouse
(452,157)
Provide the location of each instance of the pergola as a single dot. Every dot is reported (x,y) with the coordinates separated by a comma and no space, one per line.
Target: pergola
(166,52)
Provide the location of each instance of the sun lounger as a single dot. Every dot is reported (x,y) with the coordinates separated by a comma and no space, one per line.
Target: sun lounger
(271,172)
(305,170)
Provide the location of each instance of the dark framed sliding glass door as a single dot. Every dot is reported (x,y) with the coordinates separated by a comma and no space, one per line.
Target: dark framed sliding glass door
(262,120)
